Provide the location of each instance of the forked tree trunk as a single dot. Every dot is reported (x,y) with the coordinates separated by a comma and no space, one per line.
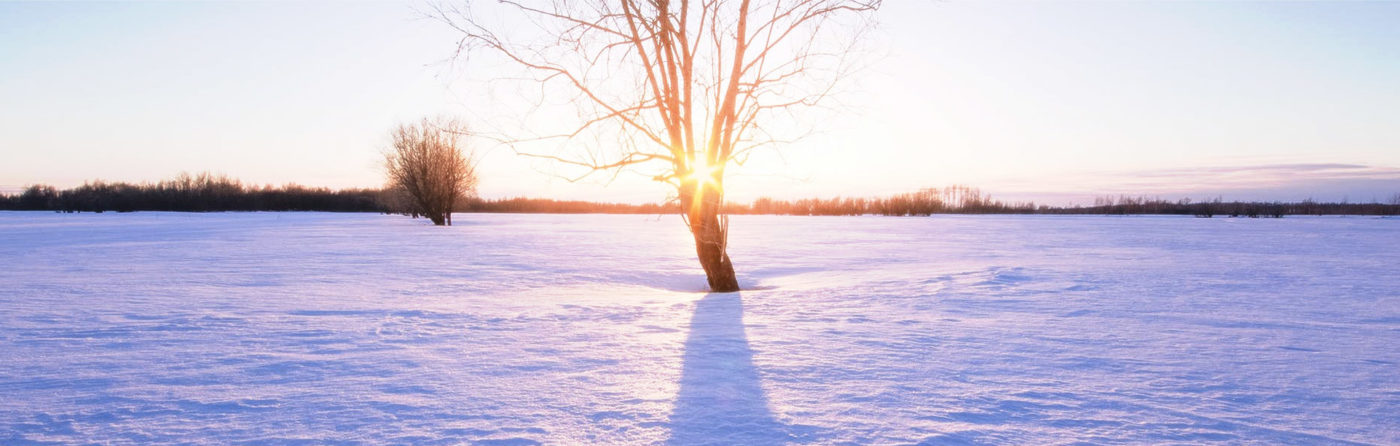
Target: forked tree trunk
(711,238)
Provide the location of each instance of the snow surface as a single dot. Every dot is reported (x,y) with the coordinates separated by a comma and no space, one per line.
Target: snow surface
(567,329)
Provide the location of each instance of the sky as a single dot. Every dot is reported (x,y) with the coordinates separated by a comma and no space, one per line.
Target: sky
(1056,102)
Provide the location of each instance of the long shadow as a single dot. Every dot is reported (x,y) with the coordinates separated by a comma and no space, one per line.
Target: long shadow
(721,400)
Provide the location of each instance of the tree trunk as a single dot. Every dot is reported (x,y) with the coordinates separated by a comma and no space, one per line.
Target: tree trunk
(451,205)
(711,237)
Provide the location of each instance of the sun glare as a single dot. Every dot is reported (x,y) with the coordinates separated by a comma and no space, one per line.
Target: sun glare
(701,173)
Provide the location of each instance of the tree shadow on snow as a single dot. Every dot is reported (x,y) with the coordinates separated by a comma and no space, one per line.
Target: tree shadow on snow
(721,400)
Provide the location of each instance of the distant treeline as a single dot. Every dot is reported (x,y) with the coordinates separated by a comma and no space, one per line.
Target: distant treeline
(208,193)
(969,200)
(547,206)
(1123,205)
(947,200)
(192,193)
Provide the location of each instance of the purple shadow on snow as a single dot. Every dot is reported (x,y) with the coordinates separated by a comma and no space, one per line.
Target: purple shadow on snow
(721,399)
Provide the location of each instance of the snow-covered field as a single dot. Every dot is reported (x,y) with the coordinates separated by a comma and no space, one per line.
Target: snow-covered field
(556,329)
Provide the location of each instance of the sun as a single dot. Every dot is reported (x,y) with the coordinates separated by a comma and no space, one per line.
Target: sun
(702,173)
(704,178)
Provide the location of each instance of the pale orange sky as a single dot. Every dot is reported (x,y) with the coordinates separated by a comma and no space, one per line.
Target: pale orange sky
(1043,100)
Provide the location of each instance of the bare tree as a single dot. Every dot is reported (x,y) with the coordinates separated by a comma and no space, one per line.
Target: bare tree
(676,89)
(427,163)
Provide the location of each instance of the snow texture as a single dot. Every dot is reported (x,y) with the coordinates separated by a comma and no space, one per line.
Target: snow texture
(276,328)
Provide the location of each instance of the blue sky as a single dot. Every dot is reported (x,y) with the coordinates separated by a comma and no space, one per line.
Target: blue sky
(1037,100)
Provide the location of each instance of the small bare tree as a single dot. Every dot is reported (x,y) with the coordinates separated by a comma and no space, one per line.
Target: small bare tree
(427,163)
(683,88)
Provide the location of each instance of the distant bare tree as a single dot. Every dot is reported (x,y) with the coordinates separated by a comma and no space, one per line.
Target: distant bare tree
(677,86)
(427,163)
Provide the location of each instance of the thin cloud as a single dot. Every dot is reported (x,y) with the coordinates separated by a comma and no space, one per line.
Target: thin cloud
(1269,182)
